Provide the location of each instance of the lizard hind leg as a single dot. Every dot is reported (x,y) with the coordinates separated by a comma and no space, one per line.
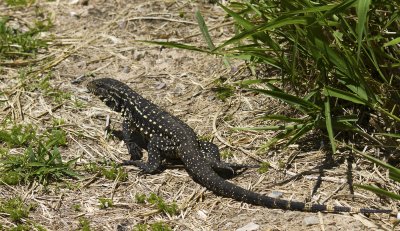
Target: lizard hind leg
(226,170)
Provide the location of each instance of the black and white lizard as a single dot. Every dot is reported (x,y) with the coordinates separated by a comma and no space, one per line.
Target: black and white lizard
(164,136)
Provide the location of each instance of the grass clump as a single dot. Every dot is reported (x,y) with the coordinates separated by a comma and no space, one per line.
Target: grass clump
(140,198)
(170,209)
(336,62)
(224,91)
(43,85)
(18,136)
(115,172)
(15,209)
(264,167)
(41,159)
(338,65)
(105,203)
(157,226)
(19,2)
(41,163)
(84,224)
(16,44)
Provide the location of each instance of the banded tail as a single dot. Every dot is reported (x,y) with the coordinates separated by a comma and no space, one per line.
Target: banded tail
(212,181)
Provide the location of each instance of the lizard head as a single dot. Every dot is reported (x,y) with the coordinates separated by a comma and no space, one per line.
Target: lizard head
(109,91)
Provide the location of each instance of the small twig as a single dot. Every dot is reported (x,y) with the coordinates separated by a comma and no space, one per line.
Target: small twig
(161,18)
(212,28)
(58,205)
(51,110)
(321,221)
(222,140)
(215,131)
(91,180)
(115,184)
(83,148)
(149,213)
(192,198)
(334,192)
(19,105)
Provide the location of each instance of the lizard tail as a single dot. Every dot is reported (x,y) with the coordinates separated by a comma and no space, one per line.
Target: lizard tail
(212,181)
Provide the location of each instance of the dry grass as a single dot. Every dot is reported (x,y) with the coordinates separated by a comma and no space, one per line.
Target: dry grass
(99,40)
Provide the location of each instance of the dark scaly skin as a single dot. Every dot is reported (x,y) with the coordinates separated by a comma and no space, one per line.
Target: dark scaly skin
(165,136)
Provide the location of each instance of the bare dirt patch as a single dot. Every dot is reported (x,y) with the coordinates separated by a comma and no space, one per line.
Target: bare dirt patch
(97,39)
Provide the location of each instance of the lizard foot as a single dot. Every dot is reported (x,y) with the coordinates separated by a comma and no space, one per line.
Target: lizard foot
(145,167)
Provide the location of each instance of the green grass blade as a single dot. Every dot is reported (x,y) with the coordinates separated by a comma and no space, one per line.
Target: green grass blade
(394,135)
(379,191)
(362,11)
(263,128)
(246,83)
(238,19)
(251,56)
(311,10)
(290,99)
(328,123)
(332,56)
(394,176)
(379,162)
(300,132)
(392,42)
(279,22)
(338,9)
(281,118)
(286,127)
(175,45)
(204,30)
(333,92)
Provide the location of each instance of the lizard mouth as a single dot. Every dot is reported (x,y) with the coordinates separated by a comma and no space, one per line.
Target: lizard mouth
(95,88)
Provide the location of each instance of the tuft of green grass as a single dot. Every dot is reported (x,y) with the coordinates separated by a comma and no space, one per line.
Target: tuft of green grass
(205,137)
(15,208)
(41,159)
(154,199)
(84,224)
(140,198)
(18,135)
(141,227)
(312,46)
(160,226)
(115,172)
(21,227)
(77,207)
(264,167)
(157,226)
(223,91)
(37,164)
(225,154)
(44,86)
(171,209)
(15,44)
(19,2)
(105,203)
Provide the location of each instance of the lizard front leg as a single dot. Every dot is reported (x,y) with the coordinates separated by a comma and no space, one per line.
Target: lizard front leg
(134,140)
(155,149)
